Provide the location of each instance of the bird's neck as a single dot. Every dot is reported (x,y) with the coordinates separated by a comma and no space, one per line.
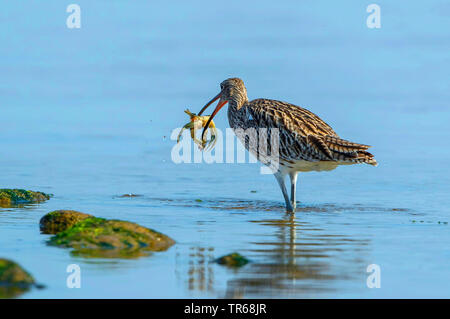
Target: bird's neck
(237,107)
(237,113)
(238,101)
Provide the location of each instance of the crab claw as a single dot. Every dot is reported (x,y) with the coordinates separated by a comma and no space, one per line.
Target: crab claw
(198,122)
(209,145)
(187,126)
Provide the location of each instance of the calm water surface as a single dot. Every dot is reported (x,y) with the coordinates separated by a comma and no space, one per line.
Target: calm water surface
(87,115)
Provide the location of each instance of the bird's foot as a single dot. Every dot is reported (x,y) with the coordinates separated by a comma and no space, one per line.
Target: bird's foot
(290,208)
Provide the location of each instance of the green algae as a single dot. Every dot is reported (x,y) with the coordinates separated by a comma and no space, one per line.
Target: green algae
(103,238)
(10,197)
(232,260)
(14,280)
(60,220)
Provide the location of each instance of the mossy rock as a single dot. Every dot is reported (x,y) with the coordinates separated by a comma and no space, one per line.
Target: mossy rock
(232,260)
(14,280)
(10,197)
(60,220)
(98,237)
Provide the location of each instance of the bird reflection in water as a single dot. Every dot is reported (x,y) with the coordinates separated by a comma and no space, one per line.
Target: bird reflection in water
(293,258)
(301,260)
(200,272)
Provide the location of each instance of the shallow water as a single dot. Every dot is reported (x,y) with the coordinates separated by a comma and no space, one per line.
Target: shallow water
(87,115)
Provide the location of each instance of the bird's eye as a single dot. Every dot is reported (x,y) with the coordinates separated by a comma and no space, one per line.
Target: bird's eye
(221,86)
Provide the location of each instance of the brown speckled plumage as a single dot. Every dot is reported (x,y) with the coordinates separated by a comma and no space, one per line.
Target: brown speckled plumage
(303,135)
(306,143)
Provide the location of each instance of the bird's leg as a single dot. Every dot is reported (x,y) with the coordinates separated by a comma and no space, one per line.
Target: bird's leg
(280,180)
(293,177)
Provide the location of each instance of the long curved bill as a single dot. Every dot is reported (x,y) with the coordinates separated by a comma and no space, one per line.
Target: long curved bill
(209,103)
(217,109)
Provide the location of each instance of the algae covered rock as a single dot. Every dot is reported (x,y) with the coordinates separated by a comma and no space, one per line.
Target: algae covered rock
(98,237)
(232,260)
(20,196)
(60,220)
(14,280)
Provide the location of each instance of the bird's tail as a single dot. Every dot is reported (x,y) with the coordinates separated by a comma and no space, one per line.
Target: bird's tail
(346,151)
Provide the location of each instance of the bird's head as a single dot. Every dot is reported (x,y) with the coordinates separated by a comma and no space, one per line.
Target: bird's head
(232,91)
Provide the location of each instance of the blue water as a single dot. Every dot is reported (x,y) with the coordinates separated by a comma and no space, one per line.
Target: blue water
(87,114)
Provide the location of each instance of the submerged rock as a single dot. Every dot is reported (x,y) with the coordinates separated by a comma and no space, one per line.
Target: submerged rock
(98,237)
(14,280)
(60,220)
(20,196)
(129,195)
(232,260)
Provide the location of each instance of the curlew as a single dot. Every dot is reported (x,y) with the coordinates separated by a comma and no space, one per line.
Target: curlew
(305,142)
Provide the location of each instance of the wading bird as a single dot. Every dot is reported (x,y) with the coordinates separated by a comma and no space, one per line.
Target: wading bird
(305,142)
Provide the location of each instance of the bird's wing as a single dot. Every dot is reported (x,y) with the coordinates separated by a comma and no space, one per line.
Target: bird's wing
(292,118)
(303,135)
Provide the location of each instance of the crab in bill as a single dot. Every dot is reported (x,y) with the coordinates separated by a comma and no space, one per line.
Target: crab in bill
(198,122)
